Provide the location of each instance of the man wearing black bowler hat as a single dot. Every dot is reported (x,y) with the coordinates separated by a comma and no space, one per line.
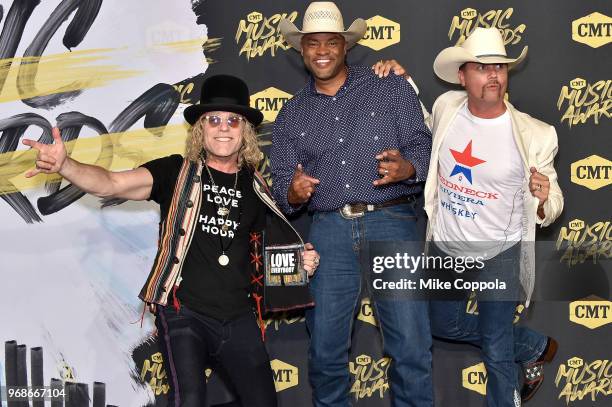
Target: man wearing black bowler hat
(213,215)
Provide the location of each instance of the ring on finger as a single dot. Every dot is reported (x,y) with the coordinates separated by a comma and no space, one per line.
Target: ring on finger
(386,172)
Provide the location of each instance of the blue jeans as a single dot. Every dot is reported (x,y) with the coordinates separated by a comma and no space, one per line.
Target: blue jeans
(336,287)
(190,342)
(502,343)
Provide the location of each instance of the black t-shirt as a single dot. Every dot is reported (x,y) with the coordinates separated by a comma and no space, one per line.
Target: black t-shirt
(206,286)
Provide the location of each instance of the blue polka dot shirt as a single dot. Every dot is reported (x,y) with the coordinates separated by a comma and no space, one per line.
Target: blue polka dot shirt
(336,139)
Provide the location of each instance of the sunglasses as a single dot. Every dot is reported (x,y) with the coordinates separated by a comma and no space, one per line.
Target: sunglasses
(232,121)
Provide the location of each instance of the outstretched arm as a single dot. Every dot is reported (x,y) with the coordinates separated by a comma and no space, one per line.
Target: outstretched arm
(133,184)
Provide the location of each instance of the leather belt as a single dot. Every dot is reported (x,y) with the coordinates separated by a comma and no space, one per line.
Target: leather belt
(357,210)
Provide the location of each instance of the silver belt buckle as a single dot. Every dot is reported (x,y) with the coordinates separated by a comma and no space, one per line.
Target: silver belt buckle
(347,212)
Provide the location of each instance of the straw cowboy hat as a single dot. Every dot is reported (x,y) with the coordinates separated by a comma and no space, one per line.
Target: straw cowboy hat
(322,17)
(484,46)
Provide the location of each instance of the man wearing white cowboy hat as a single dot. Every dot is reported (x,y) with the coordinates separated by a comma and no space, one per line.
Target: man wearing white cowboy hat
(491,181)
(353,149)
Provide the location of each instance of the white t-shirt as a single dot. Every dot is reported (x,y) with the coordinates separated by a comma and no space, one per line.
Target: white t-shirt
(480,187)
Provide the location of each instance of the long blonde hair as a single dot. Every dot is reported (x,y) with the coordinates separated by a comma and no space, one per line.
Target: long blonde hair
(249,152)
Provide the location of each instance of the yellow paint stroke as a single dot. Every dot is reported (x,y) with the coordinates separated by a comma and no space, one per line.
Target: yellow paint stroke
(70,71)
(130,149)
(205,45)
(212,44)
(188,46)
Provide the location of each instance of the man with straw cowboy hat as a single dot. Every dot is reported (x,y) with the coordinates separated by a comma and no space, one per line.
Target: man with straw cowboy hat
(490,182)
(353,149)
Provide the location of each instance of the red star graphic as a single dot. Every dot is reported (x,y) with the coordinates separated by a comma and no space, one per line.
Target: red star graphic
(465,157)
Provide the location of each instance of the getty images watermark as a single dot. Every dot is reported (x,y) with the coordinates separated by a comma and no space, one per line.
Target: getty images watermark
(444,270)
(412,264)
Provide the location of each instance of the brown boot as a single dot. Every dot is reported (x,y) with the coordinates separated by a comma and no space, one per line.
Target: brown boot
(534,372)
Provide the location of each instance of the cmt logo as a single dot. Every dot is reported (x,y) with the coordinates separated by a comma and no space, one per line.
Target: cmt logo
(254,17)
(257,34)
(580,379)
(381,33)
(581,242)
(594,30)
(285,375)
(366,312)
(269,101)
(575,362)
(153,373)
(467,20)
(582,101)
(475,378)
(592,314)
(369,377)
(593,172)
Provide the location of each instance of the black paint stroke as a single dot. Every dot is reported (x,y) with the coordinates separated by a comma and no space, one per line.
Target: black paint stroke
(13,128)
(81,23)
(199,10)
(157,105)
(36,373)
(10,367)
(28,70)
(99,395)
(70,125)
(12,31)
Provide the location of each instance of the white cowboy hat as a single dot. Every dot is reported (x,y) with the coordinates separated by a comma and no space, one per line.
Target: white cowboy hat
(322,17)
(484,46)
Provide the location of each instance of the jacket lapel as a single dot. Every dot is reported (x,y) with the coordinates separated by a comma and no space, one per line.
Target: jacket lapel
(522,135)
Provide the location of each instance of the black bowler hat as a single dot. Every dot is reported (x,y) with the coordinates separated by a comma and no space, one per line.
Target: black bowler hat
(224,93)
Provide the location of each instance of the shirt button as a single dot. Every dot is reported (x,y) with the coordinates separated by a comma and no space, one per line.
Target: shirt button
(343,162)
(302,134)
(341,140)
(196,179)
(334,99)
(182,232)
(176,260)
(347,186)
(337,118)
(372,114)
(375,137)
(189,204)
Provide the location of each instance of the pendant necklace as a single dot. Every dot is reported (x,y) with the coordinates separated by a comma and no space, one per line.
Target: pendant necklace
(223,212)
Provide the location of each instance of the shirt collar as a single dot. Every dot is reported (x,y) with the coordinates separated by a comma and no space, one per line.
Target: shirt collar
(350,77)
